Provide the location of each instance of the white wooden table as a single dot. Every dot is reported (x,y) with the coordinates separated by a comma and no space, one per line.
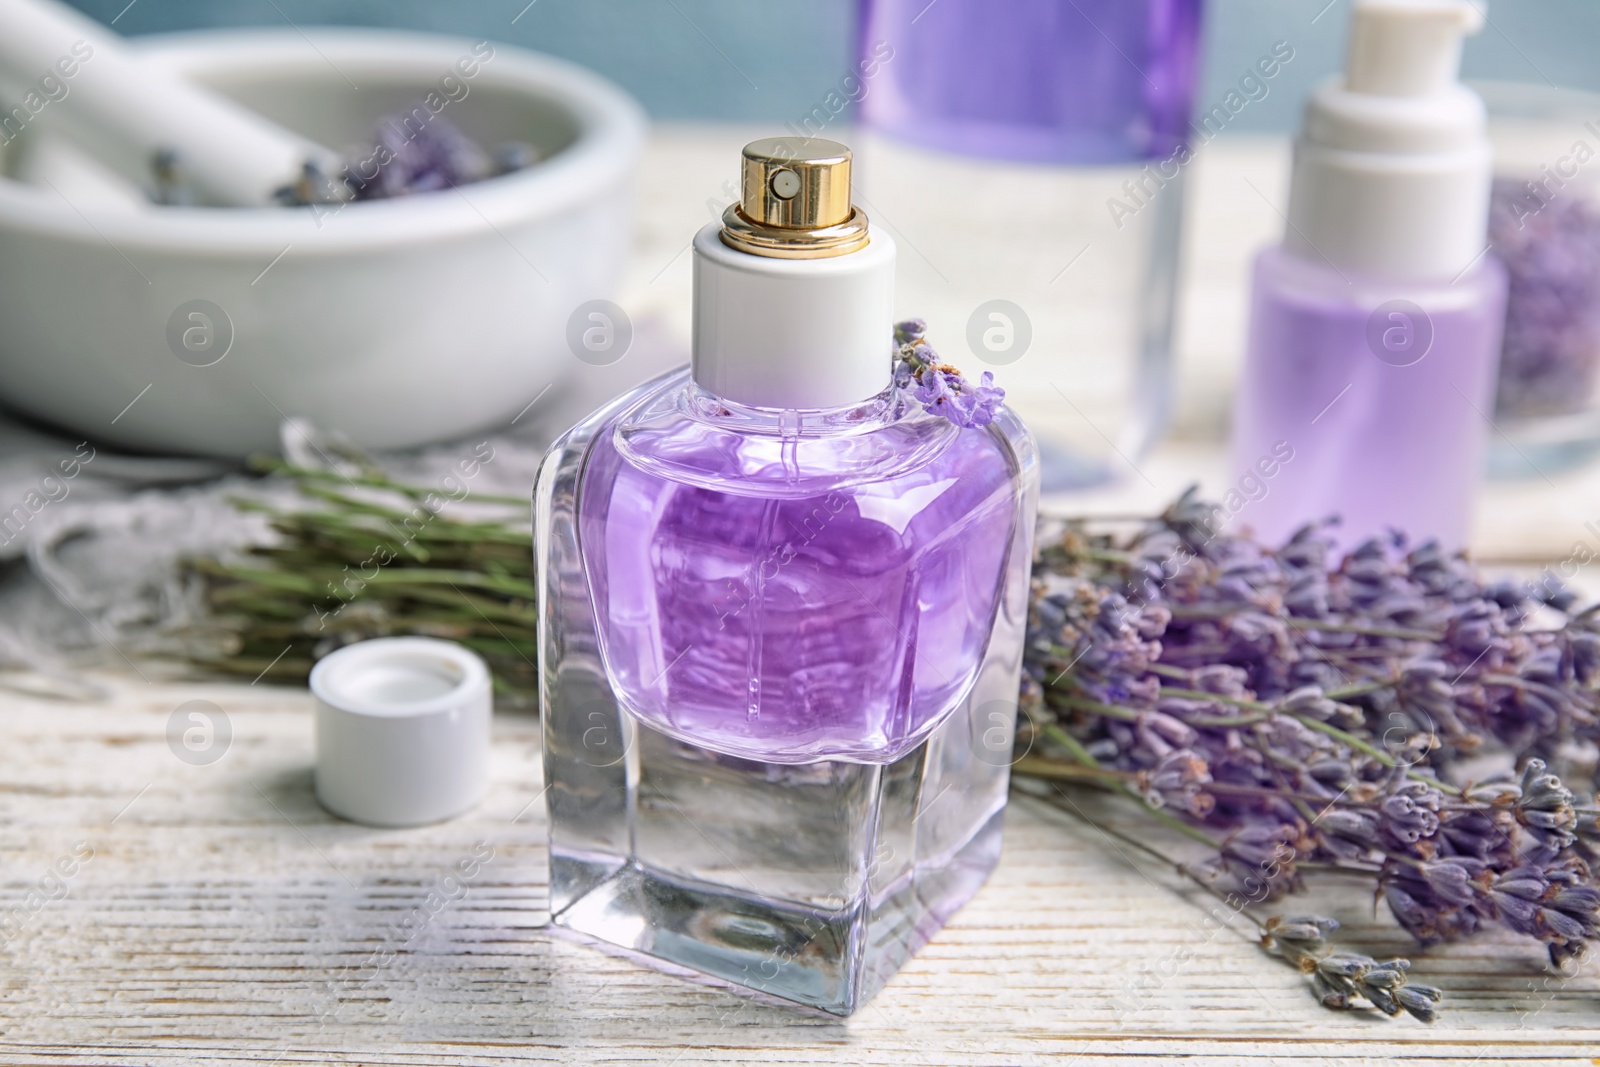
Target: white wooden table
(223,917)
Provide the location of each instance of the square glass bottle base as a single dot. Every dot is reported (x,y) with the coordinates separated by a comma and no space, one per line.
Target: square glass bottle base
(813,883)
(809,881)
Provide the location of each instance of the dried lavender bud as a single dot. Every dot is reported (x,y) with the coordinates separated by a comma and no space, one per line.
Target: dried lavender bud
(1419,920)
(1381,998)
(1391,975)
(1588,825)
(1429,699)
(1551,905)
(417,157)
(909,331)
(1332,994)
(1257,861)
(1420,1000)
(1585,646)
(1331,772)
(1161,734)
(1309,701)
(938,387)
(1193,520)
(1472,832)
(1452,880)
(1544,802)
(1344,965)
(1360,827)
(1177,782)
(1410,812)
(1545,810)
(1221,679)
(1344,979)
(1300,933)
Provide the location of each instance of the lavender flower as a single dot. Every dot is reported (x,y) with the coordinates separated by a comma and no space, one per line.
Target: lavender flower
(1297,708)
(1550,904)
(939,387)
(1178,782)
(414,157)
(1347,980)
(1410,813)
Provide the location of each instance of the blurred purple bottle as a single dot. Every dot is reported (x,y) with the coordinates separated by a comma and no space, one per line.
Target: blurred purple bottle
(1062,127)
(1066,81)
(1375,328)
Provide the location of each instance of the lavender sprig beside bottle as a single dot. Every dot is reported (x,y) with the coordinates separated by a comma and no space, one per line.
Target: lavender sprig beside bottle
(1346,979)
(939,387)
(1298,712)
(1339,979)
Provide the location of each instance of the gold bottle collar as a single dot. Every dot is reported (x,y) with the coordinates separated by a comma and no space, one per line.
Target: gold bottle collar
(795,201)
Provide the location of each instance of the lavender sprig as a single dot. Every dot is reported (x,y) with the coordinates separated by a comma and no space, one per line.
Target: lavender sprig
(939,387)
(1302,712)
(1348,979)
(277,610)
(1340,980)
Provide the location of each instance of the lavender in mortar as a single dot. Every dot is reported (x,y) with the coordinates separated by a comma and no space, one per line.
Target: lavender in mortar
(410,156)
(1550,359)
(1294,710)
(414,152)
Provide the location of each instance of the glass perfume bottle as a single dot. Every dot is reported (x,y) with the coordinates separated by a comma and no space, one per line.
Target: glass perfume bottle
(1375,328)
(782,610)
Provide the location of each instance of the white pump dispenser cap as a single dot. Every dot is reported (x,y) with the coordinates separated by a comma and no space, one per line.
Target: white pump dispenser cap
(1408,47)
(793,292)
(1392,168)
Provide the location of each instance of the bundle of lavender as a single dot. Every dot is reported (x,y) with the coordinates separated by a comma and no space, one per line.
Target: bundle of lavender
(363,556)
(1388,716)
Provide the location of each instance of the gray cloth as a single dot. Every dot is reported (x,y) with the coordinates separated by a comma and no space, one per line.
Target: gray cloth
(91,538)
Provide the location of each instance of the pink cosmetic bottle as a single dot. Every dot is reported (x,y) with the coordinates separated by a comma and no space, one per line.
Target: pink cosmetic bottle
(1375,327)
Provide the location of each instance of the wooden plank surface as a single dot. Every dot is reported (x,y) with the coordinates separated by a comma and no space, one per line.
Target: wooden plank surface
(222,917)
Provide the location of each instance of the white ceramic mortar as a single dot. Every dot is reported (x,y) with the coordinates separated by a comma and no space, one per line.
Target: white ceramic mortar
(397,322)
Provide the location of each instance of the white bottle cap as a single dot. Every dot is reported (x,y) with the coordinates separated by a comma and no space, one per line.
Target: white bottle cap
(1392,168)
(793,291)
(402,730)
(793,333)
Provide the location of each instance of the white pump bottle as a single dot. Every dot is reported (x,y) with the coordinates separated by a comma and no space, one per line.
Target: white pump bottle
(1375,327)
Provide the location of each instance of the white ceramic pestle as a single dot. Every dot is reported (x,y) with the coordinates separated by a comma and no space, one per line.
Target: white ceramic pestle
(80,80)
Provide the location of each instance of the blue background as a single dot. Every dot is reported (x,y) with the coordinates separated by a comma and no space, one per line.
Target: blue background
(774,60)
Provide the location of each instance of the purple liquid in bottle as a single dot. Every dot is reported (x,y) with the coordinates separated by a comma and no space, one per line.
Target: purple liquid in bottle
(779,657)
(782,611)
(1079,81)
(795,596)
(1380,392)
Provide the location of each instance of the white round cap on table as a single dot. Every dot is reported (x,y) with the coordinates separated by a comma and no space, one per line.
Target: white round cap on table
(402,730)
